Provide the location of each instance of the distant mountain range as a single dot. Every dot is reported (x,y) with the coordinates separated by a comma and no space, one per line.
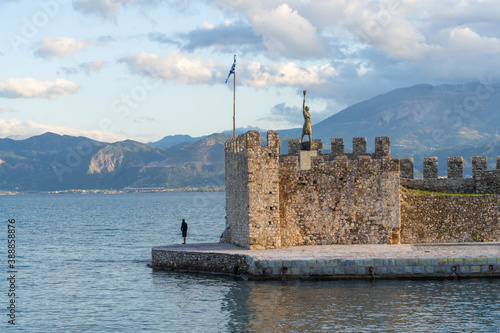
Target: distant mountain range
(51,162)
(423,120)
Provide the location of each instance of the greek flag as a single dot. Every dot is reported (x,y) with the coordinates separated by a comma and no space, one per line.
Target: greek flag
(232,69)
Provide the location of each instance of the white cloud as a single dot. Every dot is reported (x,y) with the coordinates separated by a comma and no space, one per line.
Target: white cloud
(31,88)
(362,70)
(401,40)
(93,66)
(7,110)
(286,74)
(285,32)
(463,39)
(207,26)
(26,129)
(60,47)
(173,67)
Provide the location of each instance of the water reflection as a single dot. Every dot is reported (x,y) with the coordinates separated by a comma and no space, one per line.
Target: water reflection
(354,306)
(222,304)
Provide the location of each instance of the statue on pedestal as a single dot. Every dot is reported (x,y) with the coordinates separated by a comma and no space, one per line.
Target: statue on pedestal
(307,129)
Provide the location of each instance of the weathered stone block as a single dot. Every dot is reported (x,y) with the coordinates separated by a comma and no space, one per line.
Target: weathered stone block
(359,146)
(475,269)
(362,271)
(382,146)
(479,164)
(406,168)
(293,146)
(382,270)
(273,141)
(442,270)
(455,167)
(430,167)
(351,270)
(339,270)
(252,139)
(418,270)
(337,146)
(429,270)
(395,270)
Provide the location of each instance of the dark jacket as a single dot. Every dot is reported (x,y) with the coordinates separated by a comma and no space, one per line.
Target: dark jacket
(184,229)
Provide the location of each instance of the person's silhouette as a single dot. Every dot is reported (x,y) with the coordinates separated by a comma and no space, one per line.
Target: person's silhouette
(184,229)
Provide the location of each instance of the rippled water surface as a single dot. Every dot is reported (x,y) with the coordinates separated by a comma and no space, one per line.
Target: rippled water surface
(82,268)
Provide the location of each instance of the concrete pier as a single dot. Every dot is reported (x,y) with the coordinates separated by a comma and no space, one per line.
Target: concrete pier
(335,261)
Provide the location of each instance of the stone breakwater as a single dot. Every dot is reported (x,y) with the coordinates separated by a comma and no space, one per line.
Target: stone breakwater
(335,261)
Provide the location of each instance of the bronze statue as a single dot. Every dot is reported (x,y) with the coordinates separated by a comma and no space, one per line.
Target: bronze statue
(307,129)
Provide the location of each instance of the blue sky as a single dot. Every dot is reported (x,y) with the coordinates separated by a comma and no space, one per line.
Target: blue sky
(144,69)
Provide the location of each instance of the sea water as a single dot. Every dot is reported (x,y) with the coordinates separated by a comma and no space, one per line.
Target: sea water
(81,266)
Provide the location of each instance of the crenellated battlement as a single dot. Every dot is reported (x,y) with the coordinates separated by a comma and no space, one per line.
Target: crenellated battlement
(382,148)
(482,180)
(363,164)
(251,140)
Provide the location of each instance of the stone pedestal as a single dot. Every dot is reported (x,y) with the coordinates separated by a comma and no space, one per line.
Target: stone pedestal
(305,159)
(316,144)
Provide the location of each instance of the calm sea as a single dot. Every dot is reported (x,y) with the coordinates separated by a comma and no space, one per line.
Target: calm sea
(82,267)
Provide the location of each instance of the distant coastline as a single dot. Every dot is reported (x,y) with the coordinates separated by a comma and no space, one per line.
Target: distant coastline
(125,190)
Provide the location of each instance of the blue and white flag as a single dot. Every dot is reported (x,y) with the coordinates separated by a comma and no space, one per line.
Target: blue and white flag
(232,69)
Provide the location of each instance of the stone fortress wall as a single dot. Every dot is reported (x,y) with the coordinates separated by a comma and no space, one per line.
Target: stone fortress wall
(442,218)
(336,198)
(310,198)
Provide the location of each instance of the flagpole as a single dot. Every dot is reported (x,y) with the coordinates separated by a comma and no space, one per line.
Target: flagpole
(234,100)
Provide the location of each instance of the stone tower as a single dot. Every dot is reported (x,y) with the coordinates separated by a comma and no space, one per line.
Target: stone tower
(252,191)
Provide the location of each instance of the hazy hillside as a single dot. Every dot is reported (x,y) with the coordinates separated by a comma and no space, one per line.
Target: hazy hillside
(172,140)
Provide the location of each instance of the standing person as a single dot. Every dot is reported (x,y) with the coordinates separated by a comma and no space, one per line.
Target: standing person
(184,229)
